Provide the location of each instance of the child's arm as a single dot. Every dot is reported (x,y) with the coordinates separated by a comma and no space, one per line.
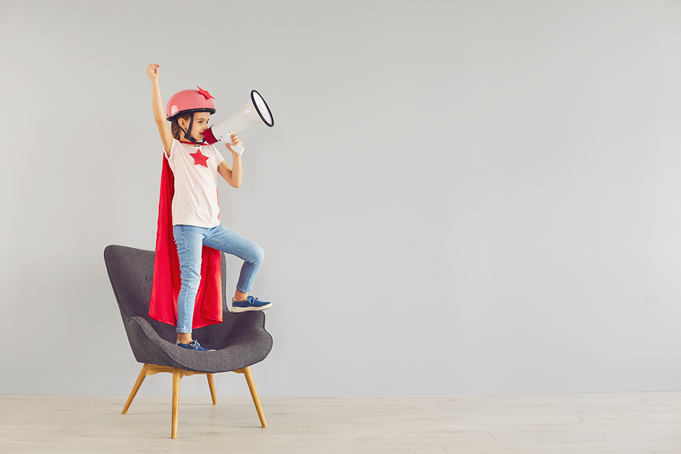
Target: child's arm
(159,115)
(232,175)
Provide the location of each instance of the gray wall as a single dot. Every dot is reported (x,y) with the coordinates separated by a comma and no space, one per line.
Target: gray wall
(457,197)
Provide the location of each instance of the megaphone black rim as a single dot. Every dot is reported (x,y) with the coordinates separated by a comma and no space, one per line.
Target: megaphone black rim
(258,109)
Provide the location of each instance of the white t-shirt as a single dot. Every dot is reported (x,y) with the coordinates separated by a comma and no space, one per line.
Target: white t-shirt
(196,184)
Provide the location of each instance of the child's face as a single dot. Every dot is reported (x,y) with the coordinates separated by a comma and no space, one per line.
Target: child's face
(200,124)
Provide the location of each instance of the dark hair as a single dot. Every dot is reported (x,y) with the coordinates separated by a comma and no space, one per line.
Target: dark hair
(175,129)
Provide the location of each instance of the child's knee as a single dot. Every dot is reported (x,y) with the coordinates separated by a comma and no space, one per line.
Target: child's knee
(258,254)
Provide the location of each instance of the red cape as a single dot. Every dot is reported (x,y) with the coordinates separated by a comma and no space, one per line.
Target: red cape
(166,284)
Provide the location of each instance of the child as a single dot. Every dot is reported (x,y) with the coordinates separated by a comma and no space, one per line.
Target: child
(195,222)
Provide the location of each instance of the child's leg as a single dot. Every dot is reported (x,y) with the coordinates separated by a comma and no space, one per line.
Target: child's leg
(189,241)
(228,241)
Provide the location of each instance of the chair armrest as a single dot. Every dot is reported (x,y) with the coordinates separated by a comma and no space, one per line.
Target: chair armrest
(145,327)
(147,346)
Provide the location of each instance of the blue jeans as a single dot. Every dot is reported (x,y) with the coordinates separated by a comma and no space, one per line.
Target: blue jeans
(190,240)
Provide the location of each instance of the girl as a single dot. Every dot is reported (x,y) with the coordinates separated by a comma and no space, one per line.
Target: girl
(195,208)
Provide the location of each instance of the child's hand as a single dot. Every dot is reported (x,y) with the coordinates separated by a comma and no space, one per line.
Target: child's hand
(152,70)
(235,141)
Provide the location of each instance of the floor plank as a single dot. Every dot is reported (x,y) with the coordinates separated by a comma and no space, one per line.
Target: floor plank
(634,423)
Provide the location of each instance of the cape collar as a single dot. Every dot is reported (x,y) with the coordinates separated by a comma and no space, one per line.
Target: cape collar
(192,143)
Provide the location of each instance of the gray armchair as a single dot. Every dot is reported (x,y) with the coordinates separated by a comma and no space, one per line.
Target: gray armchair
(240,340)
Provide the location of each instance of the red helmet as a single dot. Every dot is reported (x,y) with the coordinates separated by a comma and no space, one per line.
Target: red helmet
(189,101)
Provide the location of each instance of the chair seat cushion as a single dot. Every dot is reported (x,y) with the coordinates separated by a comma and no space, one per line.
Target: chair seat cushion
(249,347)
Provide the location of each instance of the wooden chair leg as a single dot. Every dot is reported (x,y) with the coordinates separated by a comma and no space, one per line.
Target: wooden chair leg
(138,383)
(211,385)
(254,395)
(151,369)
(177,376)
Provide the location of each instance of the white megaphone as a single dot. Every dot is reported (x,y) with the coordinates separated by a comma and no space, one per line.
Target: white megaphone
(255,112)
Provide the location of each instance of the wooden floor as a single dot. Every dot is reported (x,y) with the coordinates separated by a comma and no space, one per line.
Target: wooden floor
(567,423)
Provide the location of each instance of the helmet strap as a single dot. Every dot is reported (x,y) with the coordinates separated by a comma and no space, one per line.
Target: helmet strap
(186,134)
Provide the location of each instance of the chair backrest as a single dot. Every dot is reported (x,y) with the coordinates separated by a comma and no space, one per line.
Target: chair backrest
(131,273)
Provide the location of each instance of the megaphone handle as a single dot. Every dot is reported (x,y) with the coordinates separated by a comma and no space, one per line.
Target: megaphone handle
(238,148)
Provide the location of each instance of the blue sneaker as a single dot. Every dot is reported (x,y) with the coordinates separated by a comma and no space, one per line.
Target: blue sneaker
(193,345)
(251,303)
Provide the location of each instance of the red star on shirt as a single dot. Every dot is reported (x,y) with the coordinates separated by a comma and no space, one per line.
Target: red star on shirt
(199,159)
(205,93)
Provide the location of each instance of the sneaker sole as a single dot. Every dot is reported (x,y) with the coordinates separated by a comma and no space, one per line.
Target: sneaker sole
(195,350)
(251,308)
